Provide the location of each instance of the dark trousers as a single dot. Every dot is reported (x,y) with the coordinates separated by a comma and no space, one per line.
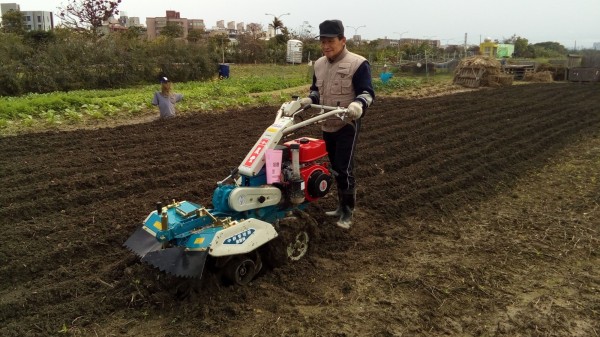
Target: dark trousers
(340,146)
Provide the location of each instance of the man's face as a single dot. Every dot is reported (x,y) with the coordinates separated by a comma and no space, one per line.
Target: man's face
(332,46)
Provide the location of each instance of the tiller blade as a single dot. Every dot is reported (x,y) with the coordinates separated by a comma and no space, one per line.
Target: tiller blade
(142,242)
(178,261)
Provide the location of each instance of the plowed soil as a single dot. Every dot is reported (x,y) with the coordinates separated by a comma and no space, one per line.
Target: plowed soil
(477,215)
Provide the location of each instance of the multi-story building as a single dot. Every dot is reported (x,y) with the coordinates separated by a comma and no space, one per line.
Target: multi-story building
(432,43)
(129,21)
(240,27)
(385,42)
(4,8)
(9,7)
(39,20)
(156,24)
(34,20)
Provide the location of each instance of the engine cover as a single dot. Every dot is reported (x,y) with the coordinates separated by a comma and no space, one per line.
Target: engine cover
(316,176)
(311,149)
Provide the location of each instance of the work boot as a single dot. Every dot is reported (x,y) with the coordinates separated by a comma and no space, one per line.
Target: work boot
(338,211)
(345,220)
(348,198)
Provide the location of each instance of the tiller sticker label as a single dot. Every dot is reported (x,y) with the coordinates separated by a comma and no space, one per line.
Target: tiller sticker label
(260,147)
(240,238)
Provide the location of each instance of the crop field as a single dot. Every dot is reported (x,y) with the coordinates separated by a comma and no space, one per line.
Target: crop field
(477,215)
(249,86)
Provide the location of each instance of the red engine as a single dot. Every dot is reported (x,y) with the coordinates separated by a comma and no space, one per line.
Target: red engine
(313,169)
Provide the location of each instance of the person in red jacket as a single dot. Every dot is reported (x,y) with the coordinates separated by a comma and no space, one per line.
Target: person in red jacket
(344,78)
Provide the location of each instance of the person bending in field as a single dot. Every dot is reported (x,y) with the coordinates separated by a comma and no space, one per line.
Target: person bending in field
(165,99)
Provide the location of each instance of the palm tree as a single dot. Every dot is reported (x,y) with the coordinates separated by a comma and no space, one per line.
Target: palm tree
(276,24)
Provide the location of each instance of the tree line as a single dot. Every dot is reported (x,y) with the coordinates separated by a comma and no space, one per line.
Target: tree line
(79,56)
(64,60)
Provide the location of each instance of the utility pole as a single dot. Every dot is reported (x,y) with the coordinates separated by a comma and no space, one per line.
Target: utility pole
(428,37)
(400,38)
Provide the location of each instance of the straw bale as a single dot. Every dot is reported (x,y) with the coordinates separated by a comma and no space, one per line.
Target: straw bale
(542,77)
(500,80)
(558,70)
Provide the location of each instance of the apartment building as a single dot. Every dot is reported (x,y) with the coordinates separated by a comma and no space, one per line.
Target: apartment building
(9,7)
(34,20)
(156,24)
(39,20)
(128,21)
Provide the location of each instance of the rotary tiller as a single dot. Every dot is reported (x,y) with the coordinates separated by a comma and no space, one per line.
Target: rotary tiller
(251,220)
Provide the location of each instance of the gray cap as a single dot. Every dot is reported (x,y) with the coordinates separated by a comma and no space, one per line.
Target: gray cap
(331,28)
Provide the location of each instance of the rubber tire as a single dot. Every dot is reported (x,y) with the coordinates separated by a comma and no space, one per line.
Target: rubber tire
(240,270)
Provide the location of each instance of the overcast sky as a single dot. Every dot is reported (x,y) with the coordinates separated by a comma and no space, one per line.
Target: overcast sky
(574,23)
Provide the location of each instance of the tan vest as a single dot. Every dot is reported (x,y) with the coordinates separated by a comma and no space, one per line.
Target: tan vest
(334,80)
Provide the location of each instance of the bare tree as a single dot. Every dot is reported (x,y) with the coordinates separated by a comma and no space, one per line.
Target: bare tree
(256,31)
(88,13)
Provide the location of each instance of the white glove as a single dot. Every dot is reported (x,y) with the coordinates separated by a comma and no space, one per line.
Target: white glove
(355,110)
(305,101)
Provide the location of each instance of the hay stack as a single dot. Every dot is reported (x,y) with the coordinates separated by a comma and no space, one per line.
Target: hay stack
(480,61)
(500,80)
(539,77)
(476,71)
(558,70)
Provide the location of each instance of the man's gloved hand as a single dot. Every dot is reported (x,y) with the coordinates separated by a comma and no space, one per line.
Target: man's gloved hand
(305,101)
(355,110)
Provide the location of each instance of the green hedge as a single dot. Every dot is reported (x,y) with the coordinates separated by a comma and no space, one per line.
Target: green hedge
(67,60)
